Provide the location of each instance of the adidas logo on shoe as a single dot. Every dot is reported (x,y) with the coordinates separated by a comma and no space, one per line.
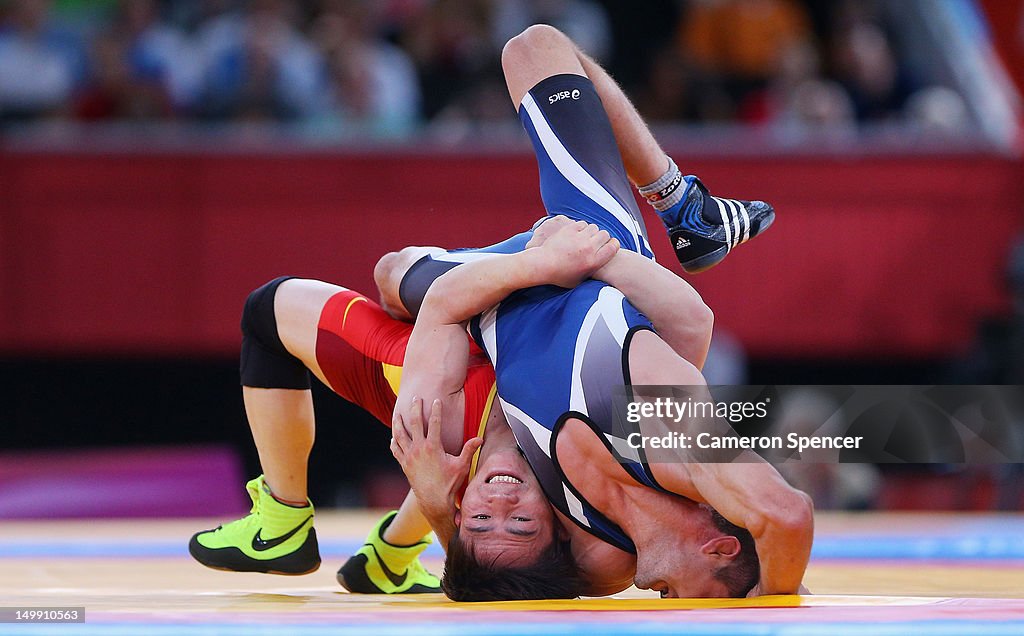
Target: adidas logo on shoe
(701,242)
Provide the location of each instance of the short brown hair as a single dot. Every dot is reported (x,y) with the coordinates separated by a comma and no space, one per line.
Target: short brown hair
(743,571)
(554,574)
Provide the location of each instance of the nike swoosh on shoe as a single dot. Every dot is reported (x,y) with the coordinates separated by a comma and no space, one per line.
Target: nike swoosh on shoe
(260,545)
(396,580)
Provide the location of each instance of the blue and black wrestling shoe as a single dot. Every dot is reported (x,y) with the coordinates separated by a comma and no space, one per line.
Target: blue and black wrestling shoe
(703,228)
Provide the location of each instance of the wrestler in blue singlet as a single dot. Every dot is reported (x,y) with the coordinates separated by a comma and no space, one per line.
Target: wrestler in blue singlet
(562,353)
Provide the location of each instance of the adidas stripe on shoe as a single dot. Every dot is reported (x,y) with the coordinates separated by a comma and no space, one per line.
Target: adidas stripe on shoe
(698,238)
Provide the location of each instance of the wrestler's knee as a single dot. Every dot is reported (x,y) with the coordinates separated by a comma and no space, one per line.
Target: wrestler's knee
(385,269)
(265,361)
(388,275)
(259,320)
(392,267)
(527,43)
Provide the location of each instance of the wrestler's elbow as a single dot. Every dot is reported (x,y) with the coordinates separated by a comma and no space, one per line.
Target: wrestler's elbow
(796,520)
(703,319)
(685,305)
(697,311)
(789,513)
(799,516)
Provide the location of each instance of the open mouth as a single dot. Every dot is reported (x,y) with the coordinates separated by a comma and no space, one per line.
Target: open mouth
(503,479)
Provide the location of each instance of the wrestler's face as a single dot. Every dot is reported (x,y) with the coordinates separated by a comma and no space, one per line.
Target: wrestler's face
(505,517)
(680,562)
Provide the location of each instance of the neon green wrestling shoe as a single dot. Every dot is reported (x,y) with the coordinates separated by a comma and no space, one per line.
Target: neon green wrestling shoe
(274,538)
(381,568)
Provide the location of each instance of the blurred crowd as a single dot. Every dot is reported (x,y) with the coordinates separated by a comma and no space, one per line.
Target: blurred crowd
(388,67)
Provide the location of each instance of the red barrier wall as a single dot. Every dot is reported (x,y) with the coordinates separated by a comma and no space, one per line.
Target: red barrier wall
(154,254)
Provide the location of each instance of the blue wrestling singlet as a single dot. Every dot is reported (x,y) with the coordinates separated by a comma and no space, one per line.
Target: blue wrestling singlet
(562,353)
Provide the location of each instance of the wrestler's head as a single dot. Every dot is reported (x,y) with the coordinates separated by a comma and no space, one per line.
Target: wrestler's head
(505,517)
(552,574)
(508,545)
(703,558)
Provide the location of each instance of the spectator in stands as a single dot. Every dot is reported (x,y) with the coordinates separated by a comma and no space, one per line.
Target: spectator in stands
(868,69)
(799,63)
(937,111)
(374,83)
(480,109)
(674,91)
(584,21)
(798,101)
(451,47)
(142,68)
(114,90)
(161,52)
(259,66)
(741,41)
(817,106)
(41,64)
(667,92)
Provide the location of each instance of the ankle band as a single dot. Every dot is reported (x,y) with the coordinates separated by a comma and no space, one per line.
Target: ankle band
(665,192)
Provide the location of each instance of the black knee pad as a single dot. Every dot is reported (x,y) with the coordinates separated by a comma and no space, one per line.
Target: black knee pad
(265,363)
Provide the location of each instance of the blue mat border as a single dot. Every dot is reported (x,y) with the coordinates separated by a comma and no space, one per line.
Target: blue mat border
(943,627)
(1008,546)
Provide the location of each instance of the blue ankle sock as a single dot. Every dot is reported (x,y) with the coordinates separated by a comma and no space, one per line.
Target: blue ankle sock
(672,216)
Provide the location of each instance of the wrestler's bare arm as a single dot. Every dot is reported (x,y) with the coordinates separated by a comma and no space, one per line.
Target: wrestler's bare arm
(435,359)
(434,369)
(435,475)
(437,353)
(674,307)
(676,310)
(749,492)
(753,495)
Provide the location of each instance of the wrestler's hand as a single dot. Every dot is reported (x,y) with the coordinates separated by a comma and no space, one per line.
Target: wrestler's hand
(434,475)
(571,253)
(546,227)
